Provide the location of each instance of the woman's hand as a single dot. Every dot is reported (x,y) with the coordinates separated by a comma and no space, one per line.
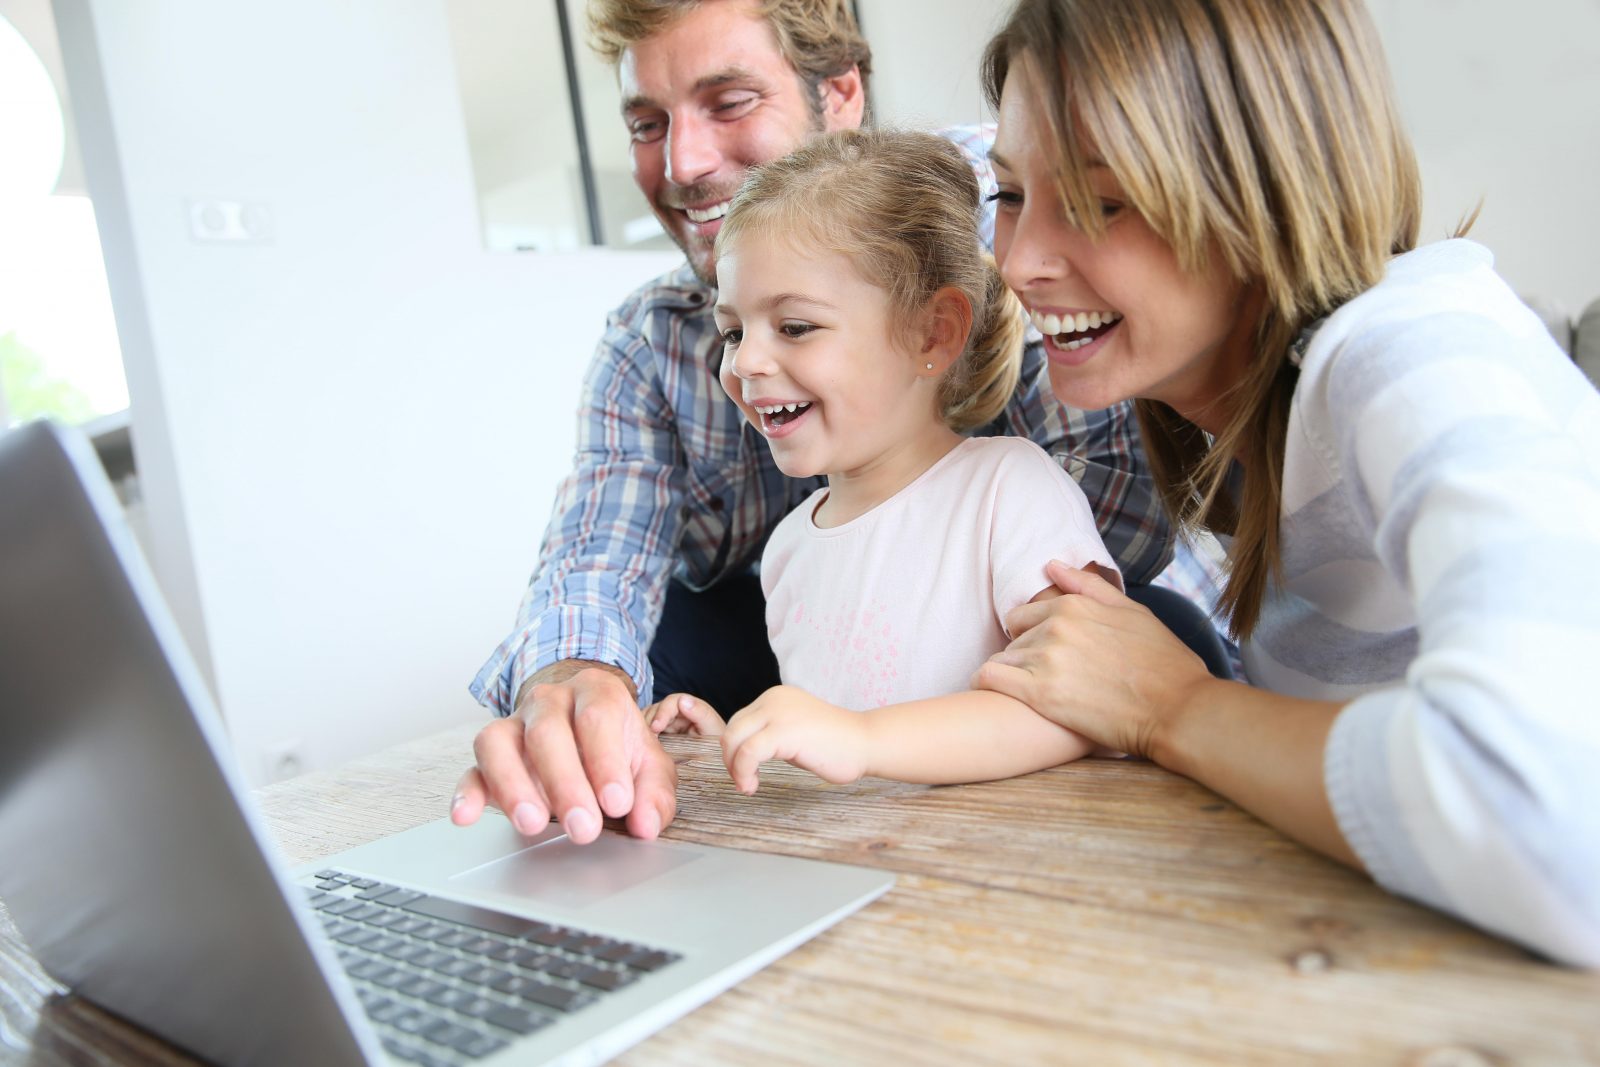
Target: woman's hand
(792,725)
(1096,663)
(681,713)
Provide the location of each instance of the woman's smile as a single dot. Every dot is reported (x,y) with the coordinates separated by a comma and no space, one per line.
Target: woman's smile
(1073,338)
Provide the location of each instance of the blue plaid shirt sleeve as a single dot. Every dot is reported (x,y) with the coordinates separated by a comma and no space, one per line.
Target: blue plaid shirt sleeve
(611,546)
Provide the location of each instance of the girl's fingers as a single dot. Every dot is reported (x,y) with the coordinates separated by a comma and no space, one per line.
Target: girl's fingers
(741,726)
(657,717)
(681,713)
(744,758)
(698,714)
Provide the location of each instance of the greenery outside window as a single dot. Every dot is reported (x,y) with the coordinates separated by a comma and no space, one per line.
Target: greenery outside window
(59,354)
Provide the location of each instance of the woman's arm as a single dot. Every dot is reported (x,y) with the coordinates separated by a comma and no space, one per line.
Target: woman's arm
(963,737)
(1136,688)
(1465,776)
(1263,751)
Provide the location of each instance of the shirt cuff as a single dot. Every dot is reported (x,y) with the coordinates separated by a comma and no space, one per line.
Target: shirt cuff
(549,637)
(1357,771)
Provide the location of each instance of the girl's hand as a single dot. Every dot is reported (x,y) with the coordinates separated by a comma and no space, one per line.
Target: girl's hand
(681,713)
(1095,662)
(792,725)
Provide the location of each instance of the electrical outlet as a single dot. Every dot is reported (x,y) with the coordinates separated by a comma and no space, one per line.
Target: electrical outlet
(285,760)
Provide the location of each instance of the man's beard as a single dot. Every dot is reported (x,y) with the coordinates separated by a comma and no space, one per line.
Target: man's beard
(671,203)
(698,250)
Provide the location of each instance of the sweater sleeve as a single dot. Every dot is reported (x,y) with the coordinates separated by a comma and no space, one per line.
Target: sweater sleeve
(1473,784)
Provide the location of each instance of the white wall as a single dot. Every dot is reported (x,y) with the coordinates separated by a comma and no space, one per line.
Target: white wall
(349,430)
(925,59)
(1502,101)
(513,91)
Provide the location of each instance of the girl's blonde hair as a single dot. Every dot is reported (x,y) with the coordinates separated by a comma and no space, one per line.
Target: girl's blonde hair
(904,208)
(1261,134)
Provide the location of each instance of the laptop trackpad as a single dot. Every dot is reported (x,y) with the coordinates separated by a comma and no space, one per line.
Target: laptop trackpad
(565,875)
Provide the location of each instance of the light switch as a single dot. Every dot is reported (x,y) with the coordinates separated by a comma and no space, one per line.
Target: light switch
(233,221)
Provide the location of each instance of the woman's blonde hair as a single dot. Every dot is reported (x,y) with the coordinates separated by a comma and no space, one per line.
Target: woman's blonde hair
(903,207)
(819,38)
(1261,134)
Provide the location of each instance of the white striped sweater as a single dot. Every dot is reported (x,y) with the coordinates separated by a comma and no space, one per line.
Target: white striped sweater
(1441,549)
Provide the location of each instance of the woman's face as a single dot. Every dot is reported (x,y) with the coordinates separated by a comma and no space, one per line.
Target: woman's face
(1121,318)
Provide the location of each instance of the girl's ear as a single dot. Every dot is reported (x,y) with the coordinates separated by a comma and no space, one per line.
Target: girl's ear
(948,323)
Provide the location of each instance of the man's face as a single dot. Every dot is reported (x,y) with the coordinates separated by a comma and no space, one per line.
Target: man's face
(705,100)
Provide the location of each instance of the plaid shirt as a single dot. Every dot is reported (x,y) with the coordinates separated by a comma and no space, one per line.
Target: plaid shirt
(669,481)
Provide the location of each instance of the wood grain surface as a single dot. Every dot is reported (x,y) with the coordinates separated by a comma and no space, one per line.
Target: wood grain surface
(1105,912)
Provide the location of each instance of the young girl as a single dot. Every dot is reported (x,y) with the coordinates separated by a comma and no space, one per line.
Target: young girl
(1406,466)
(865,331)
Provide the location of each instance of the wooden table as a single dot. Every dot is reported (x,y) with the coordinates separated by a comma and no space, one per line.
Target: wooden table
(1102,913)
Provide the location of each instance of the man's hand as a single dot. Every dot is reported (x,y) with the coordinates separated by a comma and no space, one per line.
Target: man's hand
(792,725)
(576,746)
(681,713)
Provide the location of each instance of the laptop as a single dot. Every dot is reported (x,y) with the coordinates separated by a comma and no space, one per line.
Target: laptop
(134,863)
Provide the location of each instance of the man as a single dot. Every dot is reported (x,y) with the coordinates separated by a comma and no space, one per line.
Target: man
(669,494)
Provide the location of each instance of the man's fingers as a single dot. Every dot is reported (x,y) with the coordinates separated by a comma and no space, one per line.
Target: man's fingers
(655,792)
(607,727)
(504,776)
(553,755)
(607,741)
(467,805)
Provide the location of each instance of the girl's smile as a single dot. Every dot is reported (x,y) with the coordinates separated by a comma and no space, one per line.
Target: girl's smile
(779,418)
(815,360)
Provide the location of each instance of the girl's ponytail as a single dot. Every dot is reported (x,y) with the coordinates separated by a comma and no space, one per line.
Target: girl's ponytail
(978,386)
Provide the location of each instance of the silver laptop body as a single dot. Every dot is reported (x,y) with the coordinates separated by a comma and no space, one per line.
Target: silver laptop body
(132,860)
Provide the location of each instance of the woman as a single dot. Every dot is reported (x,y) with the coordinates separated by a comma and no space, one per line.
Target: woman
(1402,463)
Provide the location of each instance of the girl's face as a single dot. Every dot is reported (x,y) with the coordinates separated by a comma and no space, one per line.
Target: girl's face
(1121,318)
(811,356)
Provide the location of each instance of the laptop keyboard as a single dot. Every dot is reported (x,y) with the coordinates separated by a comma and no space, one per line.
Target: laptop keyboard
(449,983)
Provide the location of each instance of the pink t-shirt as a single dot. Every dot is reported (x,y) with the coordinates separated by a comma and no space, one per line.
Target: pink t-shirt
(906,601)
